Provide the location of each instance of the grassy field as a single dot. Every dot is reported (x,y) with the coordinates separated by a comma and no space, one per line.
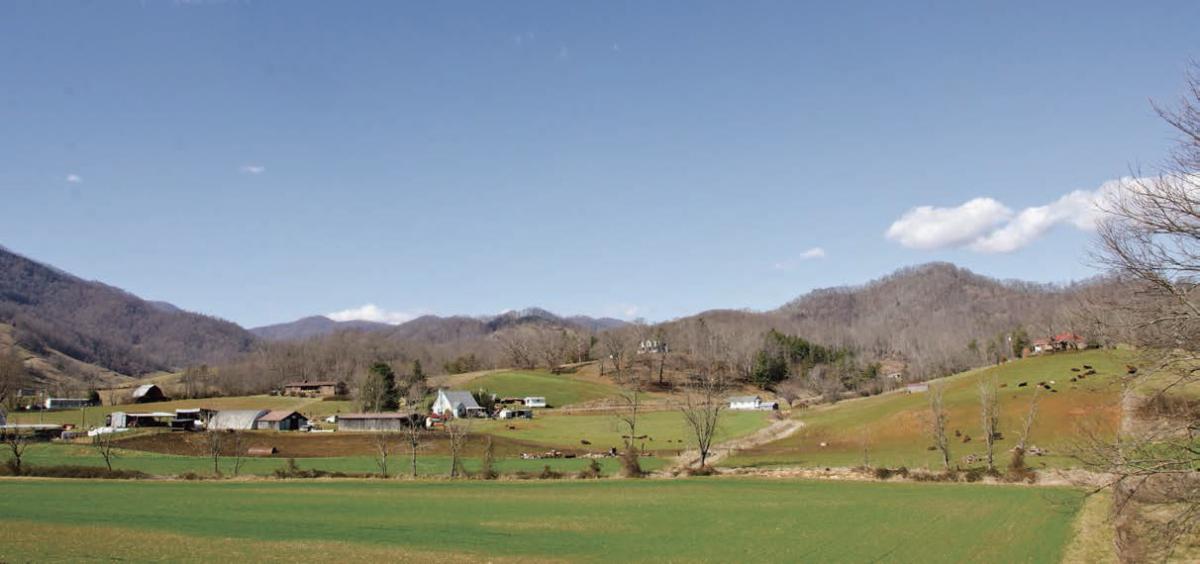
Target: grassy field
(665,430)
(558,389)
(718,520)
(172,465)
(894,426)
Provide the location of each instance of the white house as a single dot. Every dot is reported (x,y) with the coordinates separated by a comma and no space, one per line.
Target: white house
(457,403)
(535,401)
(751,403)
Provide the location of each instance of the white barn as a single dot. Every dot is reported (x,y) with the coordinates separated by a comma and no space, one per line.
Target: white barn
(457,403)
(236,419)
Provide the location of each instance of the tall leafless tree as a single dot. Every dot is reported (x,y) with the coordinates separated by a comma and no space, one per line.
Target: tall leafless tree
(17,442)
(1149,239)
(703,398)
(989,416)
(937,422)
(414,438)
(213,442)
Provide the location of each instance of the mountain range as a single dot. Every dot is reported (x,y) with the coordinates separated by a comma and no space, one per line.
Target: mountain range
(72,326)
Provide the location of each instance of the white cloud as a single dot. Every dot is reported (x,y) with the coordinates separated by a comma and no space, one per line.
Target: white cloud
(813,253)
(372,312)
(74,179)
(628,312)
(252,169)
(927,227)
(986,226)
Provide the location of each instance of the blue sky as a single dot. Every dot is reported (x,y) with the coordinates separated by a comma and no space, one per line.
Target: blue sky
(266,160)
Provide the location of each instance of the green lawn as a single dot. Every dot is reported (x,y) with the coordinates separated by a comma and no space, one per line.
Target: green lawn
(558,389)
(714,520)
(894,426)
(665,430)
(171,465)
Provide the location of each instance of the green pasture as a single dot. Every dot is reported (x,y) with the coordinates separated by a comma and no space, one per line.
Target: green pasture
(695,520)
(558,389)
(664,431)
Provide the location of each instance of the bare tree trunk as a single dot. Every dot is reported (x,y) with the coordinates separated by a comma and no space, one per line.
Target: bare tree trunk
(457,430)
(213,442)
(937,424)
(989,414)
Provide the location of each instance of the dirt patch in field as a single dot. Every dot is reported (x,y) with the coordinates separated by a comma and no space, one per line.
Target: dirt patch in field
(315,445)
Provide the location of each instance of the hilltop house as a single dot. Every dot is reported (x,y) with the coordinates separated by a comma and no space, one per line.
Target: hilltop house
(456,403)
(281,420)
(391,421)
(1060,342)
(147,393)
(751,403)
(650,346)
(316,389)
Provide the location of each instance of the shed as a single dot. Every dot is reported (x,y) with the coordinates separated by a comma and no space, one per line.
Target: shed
(751,402)
(236,419)
(457,403)
(389,421)
(147,393)
(281,420)
(535,401)
(315,389)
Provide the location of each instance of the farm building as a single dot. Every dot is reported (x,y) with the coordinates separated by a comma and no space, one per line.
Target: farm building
(316,389)
(534,401)
(1061,342)
(147,393)
(281,420)
(457,403)
(236,419)
(391,421)
(67,403)
(510,413)
(751,403)
(917,388)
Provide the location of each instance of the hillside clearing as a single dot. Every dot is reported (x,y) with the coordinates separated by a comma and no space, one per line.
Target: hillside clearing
(894,426)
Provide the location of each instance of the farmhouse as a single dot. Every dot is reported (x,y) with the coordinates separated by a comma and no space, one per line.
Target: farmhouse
(751,403)
(534,401)
(67,403)
(236,419)
(147,393)
(650,346)
(316,389)
(457,403)
(392,421)
(1061,342)
(917,388)
(281,420)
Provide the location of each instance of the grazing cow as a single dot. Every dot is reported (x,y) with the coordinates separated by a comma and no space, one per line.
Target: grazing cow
(585,442)
(1130,369)
(1087,367)
(1072,379)
(1022,384)
(1074,370)
(1055,391)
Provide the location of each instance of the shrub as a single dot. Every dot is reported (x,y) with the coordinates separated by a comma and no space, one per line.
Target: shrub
(549,474)
(488,470)
(973,475)
(631,467)
(701,471)
(90,472)
(593,470)
(882,473)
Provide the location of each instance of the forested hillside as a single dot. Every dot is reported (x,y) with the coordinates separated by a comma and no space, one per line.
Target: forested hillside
(51,310)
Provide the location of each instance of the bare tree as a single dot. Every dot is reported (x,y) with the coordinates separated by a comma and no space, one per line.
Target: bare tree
(414,437)
(989,416)
(236,439)
(212,443)
(1149,239)
(1027,422)
(937,422)
(12,376)
(383,440)
(703,398)
(457,431)
(17,442)
(106,446)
